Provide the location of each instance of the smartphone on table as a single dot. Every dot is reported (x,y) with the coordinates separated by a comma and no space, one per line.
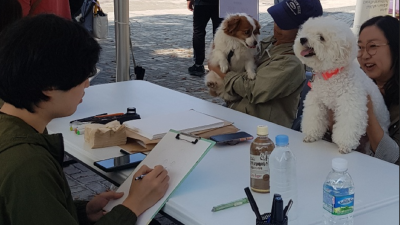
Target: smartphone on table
(231,139)
(120,162)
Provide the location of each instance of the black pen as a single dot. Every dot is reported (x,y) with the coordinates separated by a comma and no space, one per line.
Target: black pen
(271,217)
(278,216)
(253,203)
(287,208)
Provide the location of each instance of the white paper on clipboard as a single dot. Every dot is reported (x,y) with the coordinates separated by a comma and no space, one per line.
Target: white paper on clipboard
(179,155)
(250,7)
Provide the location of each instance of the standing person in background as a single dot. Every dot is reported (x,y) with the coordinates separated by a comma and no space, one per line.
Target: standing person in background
(203,11)
(378,56)
(58,7)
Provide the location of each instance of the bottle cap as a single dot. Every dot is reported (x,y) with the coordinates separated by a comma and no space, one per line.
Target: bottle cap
(282,140)
(262,130)
(339,164)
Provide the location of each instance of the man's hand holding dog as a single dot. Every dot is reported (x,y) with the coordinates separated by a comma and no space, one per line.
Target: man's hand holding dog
(217,70)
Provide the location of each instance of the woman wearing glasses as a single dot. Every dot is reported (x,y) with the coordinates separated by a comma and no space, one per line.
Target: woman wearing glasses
(379,58)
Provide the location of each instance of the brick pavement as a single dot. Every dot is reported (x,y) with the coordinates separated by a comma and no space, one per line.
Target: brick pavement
(162,45)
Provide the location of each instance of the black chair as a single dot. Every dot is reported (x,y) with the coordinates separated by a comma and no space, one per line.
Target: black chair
(297,122)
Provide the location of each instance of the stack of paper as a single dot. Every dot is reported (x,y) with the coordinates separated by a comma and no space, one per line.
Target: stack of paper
(156,127)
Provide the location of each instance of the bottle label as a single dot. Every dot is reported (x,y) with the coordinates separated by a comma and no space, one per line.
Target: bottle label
(338,205)
(259,166)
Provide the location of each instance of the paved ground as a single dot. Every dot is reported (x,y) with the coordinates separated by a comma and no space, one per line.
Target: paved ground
(161,32)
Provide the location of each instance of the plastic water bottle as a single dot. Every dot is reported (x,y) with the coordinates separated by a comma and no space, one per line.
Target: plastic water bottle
(338,196)
(283,180)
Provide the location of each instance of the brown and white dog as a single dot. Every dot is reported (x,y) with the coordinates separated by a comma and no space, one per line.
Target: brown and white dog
(233,49)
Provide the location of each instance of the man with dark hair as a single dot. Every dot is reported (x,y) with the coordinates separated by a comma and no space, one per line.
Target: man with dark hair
(274,94)
(45,63)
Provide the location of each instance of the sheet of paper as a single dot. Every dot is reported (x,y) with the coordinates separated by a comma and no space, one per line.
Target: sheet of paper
(179,156)
(250,7)
(186,121)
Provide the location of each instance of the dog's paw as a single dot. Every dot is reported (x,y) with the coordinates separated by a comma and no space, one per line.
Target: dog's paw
(251,75)
(309,139)
(224,66)
(344,150)
(212,85)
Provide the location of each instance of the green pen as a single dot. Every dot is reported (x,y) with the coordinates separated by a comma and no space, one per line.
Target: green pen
(230,204)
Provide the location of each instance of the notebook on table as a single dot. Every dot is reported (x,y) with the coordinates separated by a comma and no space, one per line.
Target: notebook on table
(179,153)
(155,127)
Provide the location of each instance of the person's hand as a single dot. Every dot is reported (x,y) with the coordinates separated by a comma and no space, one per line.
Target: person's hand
(94,208)
(216,69)
(146,192)
(190,5)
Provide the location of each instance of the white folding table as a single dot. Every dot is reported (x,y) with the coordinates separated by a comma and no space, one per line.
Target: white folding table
(224,172)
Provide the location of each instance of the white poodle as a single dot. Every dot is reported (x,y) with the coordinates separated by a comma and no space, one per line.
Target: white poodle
(329,47)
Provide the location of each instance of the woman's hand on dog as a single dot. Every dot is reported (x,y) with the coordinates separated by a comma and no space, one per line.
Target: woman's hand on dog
(216,70)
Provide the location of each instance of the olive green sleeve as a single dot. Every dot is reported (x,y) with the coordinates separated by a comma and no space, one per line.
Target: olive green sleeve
(277,79)
(118,215)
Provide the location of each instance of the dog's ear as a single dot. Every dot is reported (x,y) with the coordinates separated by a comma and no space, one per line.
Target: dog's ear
(258,27)
(232,24)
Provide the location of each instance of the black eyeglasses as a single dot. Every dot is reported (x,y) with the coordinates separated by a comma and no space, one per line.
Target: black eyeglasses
(371,48)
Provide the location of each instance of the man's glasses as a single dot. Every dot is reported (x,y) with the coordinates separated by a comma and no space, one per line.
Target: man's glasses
(371,48)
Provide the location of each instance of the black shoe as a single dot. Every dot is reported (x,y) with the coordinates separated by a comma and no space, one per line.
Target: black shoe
(196,70)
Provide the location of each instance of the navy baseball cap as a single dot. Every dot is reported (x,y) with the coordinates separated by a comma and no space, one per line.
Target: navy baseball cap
(290,14)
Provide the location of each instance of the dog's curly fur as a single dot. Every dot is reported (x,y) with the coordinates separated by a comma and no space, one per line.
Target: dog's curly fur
(239,33)
(325,44)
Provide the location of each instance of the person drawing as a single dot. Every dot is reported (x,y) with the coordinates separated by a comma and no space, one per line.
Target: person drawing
(378,56)
(45,63)
(280,76)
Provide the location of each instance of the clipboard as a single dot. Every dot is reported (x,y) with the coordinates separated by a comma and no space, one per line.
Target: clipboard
(179,153)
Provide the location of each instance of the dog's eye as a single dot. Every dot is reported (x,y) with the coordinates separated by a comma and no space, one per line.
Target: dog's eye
(246,32)
(321,38)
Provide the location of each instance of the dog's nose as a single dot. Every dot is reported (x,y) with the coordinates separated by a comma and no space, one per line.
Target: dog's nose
(303,41)
(255,43)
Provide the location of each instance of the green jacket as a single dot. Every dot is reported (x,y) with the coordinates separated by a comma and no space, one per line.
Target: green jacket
(275,93)
(33,187)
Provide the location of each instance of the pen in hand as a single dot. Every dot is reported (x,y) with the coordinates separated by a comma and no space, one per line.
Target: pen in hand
(140,177)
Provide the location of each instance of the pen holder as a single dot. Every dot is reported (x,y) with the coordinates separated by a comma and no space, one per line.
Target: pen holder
(265,218)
